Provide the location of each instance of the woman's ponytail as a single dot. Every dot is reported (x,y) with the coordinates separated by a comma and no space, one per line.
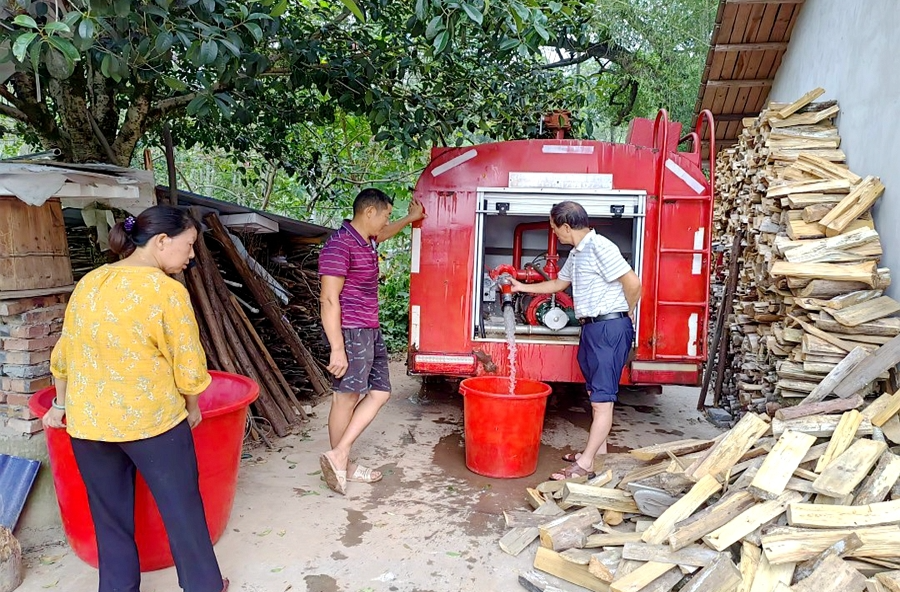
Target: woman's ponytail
(120,241)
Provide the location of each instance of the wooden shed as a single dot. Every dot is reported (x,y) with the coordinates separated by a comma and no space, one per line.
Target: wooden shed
(34,253)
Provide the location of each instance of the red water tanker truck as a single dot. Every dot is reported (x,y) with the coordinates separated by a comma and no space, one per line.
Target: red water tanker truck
(488,214)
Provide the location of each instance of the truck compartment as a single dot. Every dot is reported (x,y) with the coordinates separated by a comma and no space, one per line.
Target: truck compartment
(518,236)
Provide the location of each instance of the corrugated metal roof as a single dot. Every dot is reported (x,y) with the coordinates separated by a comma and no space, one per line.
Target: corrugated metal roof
(16,478)
(746,49)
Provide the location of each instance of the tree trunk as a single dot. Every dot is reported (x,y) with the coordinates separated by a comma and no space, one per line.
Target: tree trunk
(78,138)
(76,101)
(134,126)
(39,117)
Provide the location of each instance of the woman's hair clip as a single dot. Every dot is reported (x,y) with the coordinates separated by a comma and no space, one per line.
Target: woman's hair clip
(129,223)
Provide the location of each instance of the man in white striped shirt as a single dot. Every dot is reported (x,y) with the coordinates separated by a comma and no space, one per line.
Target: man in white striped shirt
(605,290)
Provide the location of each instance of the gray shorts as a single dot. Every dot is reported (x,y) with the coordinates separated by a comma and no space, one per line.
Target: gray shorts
(368,363)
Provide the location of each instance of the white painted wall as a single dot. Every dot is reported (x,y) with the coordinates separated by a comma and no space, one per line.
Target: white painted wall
(849,48)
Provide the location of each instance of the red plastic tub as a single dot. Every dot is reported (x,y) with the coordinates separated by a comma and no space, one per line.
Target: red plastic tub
(218,441)
(503,431)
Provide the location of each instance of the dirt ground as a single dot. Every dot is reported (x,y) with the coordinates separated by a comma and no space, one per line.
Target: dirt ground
(430,526)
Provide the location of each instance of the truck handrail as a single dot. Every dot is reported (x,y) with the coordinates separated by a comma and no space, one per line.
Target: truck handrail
(663,116)
(706,115)
(694,139)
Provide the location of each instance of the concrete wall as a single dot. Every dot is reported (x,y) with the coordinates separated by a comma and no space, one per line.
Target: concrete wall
(39,523)
(849,48)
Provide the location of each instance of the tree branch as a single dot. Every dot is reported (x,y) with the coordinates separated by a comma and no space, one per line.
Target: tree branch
(603,50)
(11,111)
(37,113)
(165,106)
(134,125)
(4,92)
(567,62)
(98,133)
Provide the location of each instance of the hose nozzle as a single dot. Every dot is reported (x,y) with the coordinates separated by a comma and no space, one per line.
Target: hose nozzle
(505,283)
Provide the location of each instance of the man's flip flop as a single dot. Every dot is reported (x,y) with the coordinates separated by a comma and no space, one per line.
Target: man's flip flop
(364,475)
(334,478)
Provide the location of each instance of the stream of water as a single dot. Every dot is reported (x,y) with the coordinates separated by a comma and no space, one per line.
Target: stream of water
(509,323)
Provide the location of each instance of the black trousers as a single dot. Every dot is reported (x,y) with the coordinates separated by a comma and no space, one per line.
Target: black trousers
(168,464)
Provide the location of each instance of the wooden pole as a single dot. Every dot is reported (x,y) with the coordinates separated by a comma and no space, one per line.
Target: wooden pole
(266,299)
(211,357)
(719,347)
(170,164)
(276,416)
(220,345)
(273,366)
(243,341)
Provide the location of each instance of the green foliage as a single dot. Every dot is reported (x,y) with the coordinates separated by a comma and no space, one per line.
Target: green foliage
(244,77)
(393,292)
(343,160)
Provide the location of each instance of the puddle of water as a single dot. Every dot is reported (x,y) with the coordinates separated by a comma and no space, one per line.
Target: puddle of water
(321,583)
(357,526)
(638,408)
(496,495)
(669,432)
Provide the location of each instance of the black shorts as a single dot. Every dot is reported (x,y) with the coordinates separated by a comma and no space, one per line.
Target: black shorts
(368,363)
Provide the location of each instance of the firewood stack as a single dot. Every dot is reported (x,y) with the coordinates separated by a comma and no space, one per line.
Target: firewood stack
(809,290)
(806,502)
(293,263)
(231,339)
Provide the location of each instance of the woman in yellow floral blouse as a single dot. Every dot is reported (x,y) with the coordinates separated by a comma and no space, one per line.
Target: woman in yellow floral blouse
(129,368)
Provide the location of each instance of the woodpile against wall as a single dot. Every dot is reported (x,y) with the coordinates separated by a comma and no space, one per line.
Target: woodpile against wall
(234,342)
(805,502)
(809,300)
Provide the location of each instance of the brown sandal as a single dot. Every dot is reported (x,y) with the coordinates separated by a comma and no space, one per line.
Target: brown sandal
(571,457)
(572,471)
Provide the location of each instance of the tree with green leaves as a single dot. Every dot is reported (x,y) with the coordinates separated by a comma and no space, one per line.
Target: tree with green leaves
(92,77)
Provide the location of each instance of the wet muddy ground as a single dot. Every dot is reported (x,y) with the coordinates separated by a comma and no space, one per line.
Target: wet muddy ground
(430,526)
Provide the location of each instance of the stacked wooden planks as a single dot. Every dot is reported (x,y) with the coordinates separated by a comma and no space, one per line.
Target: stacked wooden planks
(805,501)
(809,290)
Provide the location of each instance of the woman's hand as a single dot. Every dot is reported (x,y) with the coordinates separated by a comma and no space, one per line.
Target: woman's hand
(194,417)
(54,418)
(192,404)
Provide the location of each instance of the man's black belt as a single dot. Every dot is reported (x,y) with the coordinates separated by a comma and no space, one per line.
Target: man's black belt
(600,318)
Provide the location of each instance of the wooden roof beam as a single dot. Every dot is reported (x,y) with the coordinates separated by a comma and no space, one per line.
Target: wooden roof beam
(728,117)
(738,83)
(771,46)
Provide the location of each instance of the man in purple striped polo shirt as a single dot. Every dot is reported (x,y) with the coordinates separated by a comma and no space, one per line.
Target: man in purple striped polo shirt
(348,266)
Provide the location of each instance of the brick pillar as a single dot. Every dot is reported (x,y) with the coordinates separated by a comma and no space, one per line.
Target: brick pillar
(29,328)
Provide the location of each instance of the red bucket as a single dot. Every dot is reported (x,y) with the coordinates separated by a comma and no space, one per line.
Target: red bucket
(503,431)
(218,440)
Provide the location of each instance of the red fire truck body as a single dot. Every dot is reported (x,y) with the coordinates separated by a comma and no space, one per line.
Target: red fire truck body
(488,212)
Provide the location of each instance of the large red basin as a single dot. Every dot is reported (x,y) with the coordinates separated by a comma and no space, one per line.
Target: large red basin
(218,441)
